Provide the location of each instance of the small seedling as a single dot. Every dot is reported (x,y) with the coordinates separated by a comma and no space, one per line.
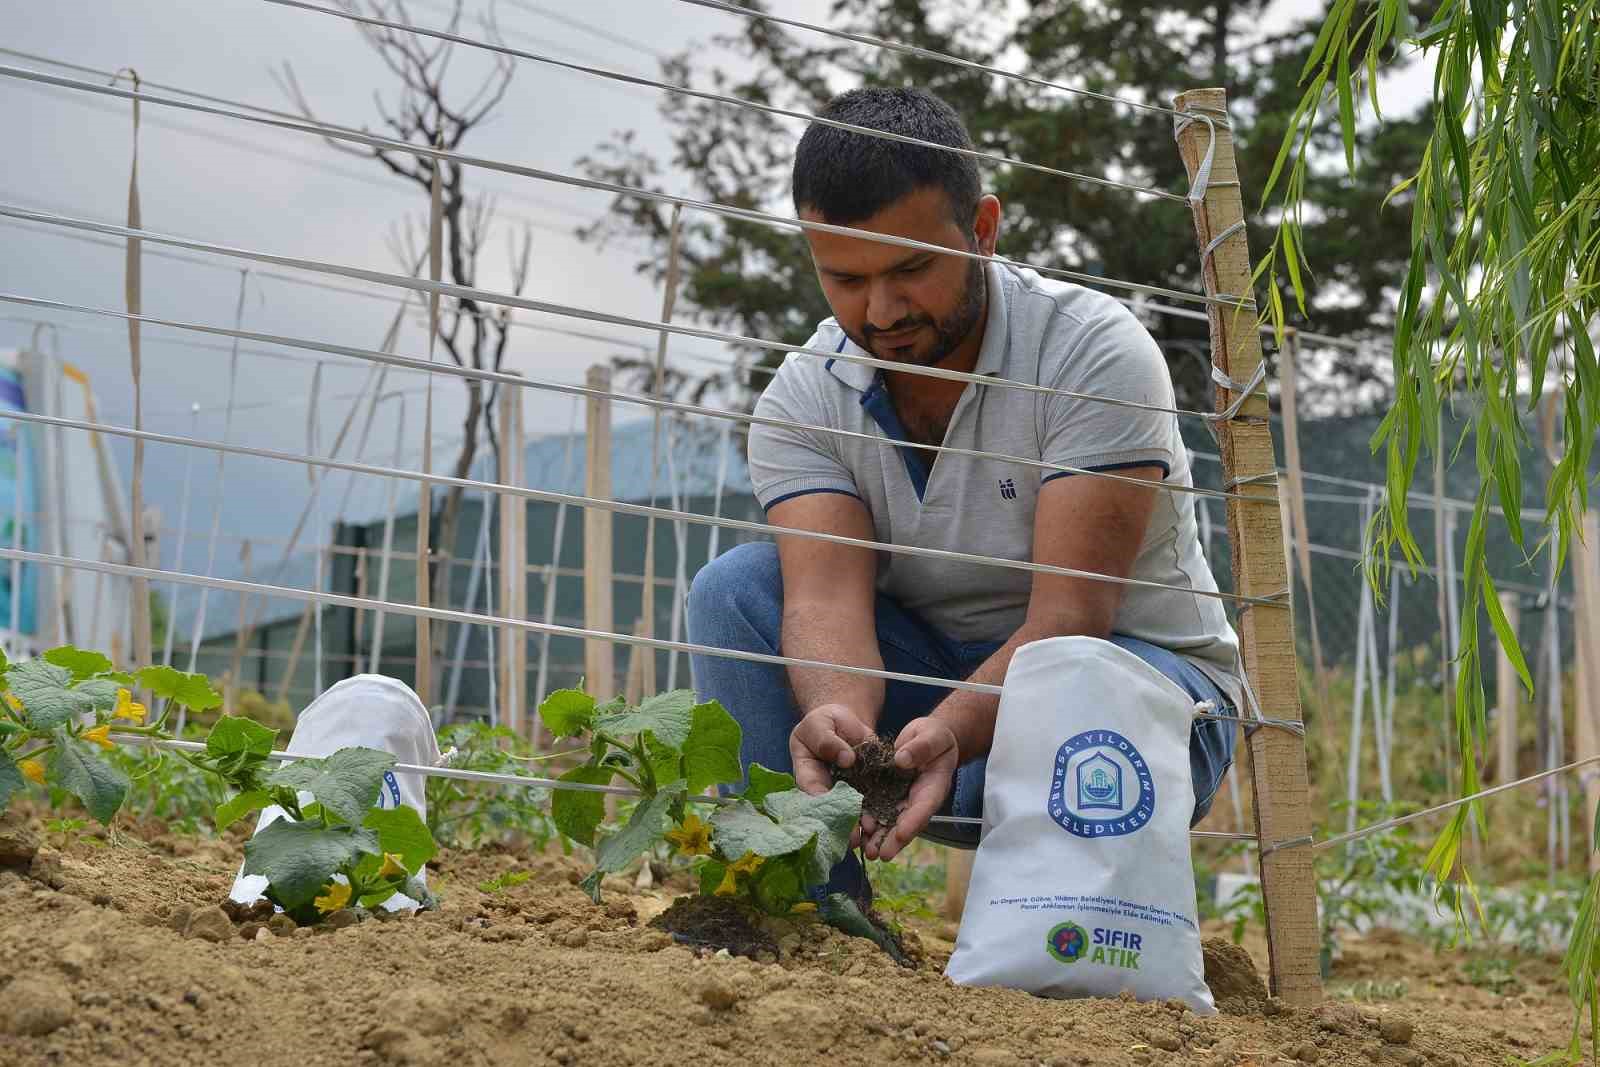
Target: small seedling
(507,880)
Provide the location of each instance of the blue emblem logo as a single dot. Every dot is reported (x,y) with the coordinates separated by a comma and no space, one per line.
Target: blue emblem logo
(394,790)
(1099,783)
(1102,786)
(1008,489)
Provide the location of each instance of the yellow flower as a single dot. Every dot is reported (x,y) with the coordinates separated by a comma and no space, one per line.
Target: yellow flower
(32,770)
(14,704)
(100,735)
(692,838)
(391,866)
(128,708)
(749,863)
(336,897)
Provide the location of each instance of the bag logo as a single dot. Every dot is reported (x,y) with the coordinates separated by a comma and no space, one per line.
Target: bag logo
(1102,786)
(1066,942)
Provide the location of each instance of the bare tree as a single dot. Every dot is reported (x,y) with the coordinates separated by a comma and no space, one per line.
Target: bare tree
(421,111)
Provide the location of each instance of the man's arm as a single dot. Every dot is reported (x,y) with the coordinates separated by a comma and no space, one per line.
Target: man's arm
(1082,522)
(828,615)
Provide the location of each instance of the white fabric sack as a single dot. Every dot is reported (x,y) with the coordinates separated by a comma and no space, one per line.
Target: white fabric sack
(369,711)
(1083,884)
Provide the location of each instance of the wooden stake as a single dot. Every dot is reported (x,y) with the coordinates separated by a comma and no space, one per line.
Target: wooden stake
(513,564)
(957,880)
(1282,809)
(598,664)
(1508,699)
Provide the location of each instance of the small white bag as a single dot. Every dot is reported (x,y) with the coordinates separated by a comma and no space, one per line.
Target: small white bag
(1083,883)
(369,711)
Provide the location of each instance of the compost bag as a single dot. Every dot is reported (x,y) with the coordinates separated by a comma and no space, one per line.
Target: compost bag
(368,711)
(1083,884)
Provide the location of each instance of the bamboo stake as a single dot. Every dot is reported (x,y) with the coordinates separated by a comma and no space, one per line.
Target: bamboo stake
(1282,809)
(1586,582)
(598,665)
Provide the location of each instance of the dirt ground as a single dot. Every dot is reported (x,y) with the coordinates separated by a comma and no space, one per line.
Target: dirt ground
(106,957)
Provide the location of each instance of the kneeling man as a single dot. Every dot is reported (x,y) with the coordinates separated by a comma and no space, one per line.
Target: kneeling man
(816,600)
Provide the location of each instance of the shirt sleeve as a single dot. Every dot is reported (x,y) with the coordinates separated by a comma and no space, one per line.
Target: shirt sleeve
(1112,356)
(788,461)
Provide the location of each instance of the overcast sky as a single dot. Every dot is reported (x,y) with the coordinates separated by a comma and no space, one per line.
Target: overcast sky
(249,186)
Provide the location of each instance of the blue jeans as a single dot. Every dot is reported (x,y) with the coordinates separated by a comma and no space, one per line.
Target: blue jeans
(736,602)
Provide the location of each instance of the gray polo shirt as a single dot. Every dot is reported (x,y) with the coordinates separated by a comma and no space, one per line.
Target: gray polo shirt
(1038,331)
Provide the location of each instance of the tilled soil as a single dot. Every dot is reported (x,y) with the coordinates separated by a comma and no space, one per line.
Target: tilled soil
(118,955)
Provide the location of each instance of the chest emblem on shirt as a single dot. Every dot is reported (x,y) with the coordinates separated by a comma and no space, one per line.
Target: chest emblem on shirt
(1008,489)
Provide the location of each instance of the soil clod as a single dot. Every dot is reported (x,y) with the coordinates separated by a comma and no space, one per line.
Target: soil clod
(714,922)
(882,785)
(1232,977)
(211,924)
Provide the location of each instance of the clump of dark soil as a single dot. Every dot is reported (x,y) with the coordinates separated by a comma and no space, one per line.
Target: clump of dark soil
(715,922)
(1232,977)
(882,785)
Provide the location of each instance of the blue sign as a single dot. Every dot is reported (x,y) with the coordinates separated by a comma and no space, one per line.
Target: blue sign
(1102,786)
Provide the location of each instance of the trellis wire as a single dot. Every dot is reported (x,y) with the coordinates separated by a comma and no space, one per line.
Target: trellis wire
(657,403)
(722,98)
(928,53)
(746,214)
(495,778)
(622,507)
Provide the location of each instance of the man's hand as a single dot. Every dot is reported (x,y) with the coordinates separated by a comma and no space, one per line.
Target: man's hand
(928,747)
(824,739)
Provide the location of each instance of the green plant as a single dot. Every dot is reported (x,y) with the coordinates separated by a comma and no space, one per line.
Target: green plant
(767,848)
(505,880)
(468,814)
(1369,989)
(1493,973)
(57,715)
(339,848)
(1502,287)
(70,831)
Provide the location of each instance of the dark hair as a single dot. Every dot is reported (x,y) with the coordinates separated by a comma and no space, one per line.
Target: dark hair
(847,176)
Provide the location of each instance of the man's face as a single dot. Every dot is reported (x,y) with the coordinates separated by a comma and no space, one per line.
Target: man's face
(900,303)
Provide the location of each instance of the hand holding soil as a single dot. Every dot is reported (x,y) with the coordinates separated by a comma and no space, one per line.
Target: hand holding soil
(903,783)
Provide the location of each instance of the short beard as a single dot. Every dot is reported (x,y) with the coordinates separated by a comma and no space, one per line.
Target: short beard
(948,332)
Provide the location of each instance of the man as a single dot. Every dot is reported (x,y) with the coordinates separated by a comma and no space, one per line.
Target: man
(823,601)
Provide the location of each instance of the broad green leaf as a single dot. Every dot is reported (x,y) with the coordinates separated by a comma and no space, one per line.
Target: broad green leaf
(298,858)
(193,691)
(345,783)
(643,830)
(402,831)
(764,782)
(711,751)
(81,772)
(233,735)
(82,663)
(11,780)
(5,661)
(779,884)
(834,813)
(567,712)
(740,828)
(45,692)
(238,806)
(711,872)
(668,716)
(102,692)
(577,812)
